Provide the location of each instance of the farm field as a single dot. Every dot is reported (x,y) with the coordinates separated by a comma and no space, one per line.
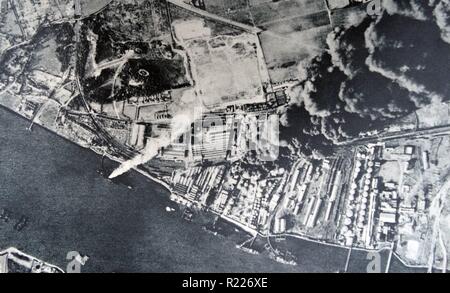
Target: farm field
(88,7)
(226,67)
(294,30)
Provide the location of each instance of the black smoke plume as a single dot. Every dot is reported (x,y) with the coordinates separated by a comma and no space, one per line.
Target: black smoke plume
(372,74)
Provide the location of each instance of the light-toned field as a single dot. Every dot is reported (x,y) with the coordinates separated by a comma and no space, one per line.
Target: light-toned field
(434,115)
(390,171)
(263,11)
(9,101)
(236,9)
(445,230)
(46,59)
(225,68)
(348,16)
(10,26)
(295,30)
(88,6)
(225,5)
(147,113)
(271,12)
(48,115)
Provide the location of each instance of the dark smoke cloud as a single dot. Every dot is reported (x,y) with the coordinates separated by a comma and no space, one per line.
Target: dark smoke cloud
(375,72)
(379,99)
(411,53)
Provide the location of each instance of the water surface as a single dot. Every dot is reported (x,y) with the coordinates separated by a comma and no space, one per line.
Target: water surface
(70,207)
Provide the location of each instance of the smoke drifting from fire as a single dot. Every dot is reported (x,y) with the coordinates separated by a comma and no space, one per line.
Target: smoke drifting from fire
(379,70)
(185,112)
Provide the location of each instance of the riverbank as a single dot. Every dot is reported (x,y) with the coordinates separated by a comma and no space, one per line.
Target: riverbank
(98,152)
(70,207)
(304,243)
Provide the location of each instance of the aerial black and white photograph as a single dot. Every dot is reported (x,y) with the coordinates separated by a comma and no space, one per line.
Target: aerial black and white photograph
(225,137)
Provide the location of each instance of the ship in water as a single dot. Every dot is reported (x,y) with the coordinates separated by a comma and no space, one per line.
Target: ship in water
(104,172)
(283,258)
(247,249)
(170,210)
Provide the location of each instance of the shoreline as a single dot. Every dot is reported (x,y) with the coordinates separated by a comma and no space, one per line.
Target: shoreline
(109,156)
(136,169)
(241,226)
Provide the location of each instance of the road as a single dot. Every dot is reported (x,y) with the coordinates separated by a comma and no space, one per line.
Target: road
(22,30)
(120,62)
(203,13)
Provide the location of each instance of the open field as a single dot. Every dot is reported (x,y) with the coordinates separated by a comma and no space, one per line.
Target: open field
(9,101)
(348,16)
(294,30)
(284,52)
(390,171)
(236,10)
(271,12)
(10,25)
(89,7)
(260,12)
(224,67)
(46,58)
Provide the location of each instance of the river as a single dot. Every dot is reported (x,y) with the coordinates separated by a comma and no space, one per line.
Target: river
(70,207)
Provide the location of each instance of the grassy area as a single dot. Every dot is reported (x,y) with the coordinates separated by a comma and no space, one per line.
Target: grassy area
(88,6)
